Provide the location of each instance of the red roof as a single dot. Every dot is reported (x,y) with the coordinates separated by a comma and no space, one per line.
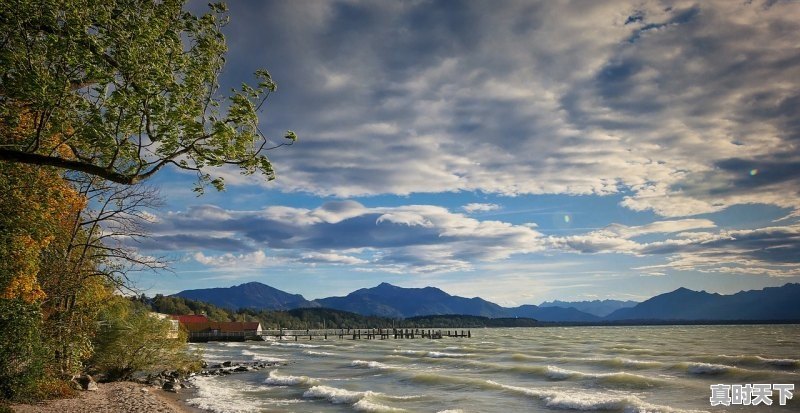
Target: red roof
(192,318)
(228,327)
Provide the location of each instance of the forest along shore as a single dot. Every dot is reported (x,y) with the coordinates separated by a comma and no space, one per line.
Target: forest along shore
(120,397)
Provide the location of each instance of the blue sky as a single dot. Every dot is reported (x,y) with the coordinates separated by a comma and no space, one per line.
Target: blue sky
(517,151)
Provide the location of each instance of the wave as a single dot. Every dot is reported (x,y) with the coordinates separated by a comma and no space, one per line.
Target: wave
(295,344)
(616,378)
(368,406)
(318,353)
(372,365)
(524,357)
(262,357)
(438,354)
(751,360)
(216,394)
(433,354)
(579,400)
(614,362)
(366,401)
(710,369)
(277,380)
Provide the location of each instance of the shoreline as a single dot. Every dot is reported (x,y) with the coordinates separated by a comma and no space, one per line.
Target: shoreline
(179,400)
(122,397)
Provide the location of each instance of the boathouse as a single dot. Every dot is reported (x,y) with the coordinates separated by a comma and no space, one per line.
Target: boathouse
(190,318)
(202,331)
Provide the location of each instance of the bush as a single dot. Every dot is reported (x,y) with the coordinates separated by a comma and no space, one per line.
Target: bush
(131,339)
(21,352)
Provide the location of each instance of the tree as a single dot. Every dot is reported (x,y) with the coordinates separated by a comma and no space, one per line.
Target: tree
(132,339)
(121,88)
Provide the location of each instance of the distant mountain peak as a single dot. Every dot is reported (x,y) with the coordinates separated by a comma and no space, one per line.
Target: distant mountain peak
(248,295)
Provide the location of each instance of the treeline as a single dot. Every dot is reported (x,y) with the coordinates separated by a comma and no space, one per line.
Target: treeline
(317,318)
(61,272)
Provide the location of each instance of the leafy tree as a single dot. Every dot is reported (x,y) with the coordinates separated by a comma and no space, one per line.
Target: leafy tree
(132,339)
(121,88)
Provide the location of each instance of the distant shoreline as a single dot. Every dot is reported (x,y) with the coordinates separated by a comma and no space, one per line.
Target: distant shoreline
(645,323)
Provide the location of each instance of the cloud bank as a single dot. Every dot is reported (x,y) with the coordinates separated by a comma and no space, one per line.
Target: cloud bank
(684,108)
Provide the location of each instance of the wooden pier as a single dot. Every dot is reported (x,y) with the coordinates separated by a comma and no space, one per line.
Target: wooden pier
(364,333)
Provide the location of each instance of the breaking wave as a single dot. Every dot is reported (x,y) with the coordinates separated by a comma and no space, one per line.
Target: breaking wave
(275,379)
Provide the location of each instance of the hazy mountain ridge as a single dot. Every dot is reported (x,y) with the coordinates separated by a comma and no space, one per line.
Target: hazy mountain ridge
(600,308)
(250,295)
(386,300)
(771,303)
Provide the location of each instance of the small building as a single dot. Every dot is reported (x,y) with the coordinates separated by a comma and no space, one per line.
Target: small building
(202,331)
(190,318)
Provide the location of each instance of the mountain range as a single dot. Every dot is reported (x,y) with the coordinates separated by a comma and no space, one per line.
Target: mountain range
(775,303)
(600,308)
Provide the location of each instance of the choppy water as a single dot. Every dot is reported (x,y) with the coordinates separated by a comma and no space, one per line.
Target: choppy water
(628,369)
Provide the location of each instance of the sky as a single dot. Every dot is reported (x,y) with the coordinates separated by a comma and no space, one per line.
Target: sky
(518,151)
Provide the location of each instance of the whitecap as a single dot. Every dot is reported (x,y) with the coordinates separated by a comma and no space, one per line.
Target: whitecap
(275,379)
(371,365)
(295,344)
(707,368)
(255,356)
(334,395)
(583,400)
(221,395)
(438,354)
(318,353)
(364,405)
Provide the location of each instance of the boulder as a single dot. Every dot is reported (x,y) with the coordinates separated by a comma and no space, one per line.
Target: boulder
(171,386)
(242,368)
(226,364)
(86,382)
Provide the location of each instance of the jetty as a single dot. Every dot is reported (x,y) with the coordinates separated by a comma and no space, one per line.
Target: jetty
(363,334)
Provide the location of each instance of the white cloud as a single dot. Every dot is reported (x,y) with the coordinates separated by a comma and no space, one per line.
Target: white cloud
(330,258)
(411,238)
(228,260)
(480,207)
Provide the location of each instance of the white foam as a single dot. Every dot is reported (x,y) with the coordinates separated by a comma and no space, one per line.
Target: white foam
(371,365)
(707,368)
(296,344)
(364,405)
(781,362)
(262,357)
(334,395)
(581,400)
(765,360)
(222,395)
(556,373)
(318,353)
(438,354)
(275,379)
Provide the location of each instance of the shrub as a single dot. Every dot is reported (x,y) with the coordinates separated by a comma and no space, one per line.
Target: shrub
(132,340)
(21,354)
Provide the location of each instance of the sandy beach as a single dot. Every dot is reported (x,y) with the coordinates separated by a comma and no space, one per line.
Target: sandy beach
(122,397)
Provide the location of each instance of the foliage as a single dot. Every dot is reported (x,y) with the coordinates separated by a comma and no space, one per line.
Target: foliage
(121,88)
(132,339)
(21,355)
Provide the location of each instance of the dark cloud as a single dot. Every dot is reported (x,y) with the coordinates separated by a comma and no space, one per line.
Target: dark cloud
(417,237)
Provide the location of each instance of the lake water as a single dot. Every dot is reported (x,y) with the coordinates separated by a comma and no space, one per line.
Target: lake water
(626,369)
